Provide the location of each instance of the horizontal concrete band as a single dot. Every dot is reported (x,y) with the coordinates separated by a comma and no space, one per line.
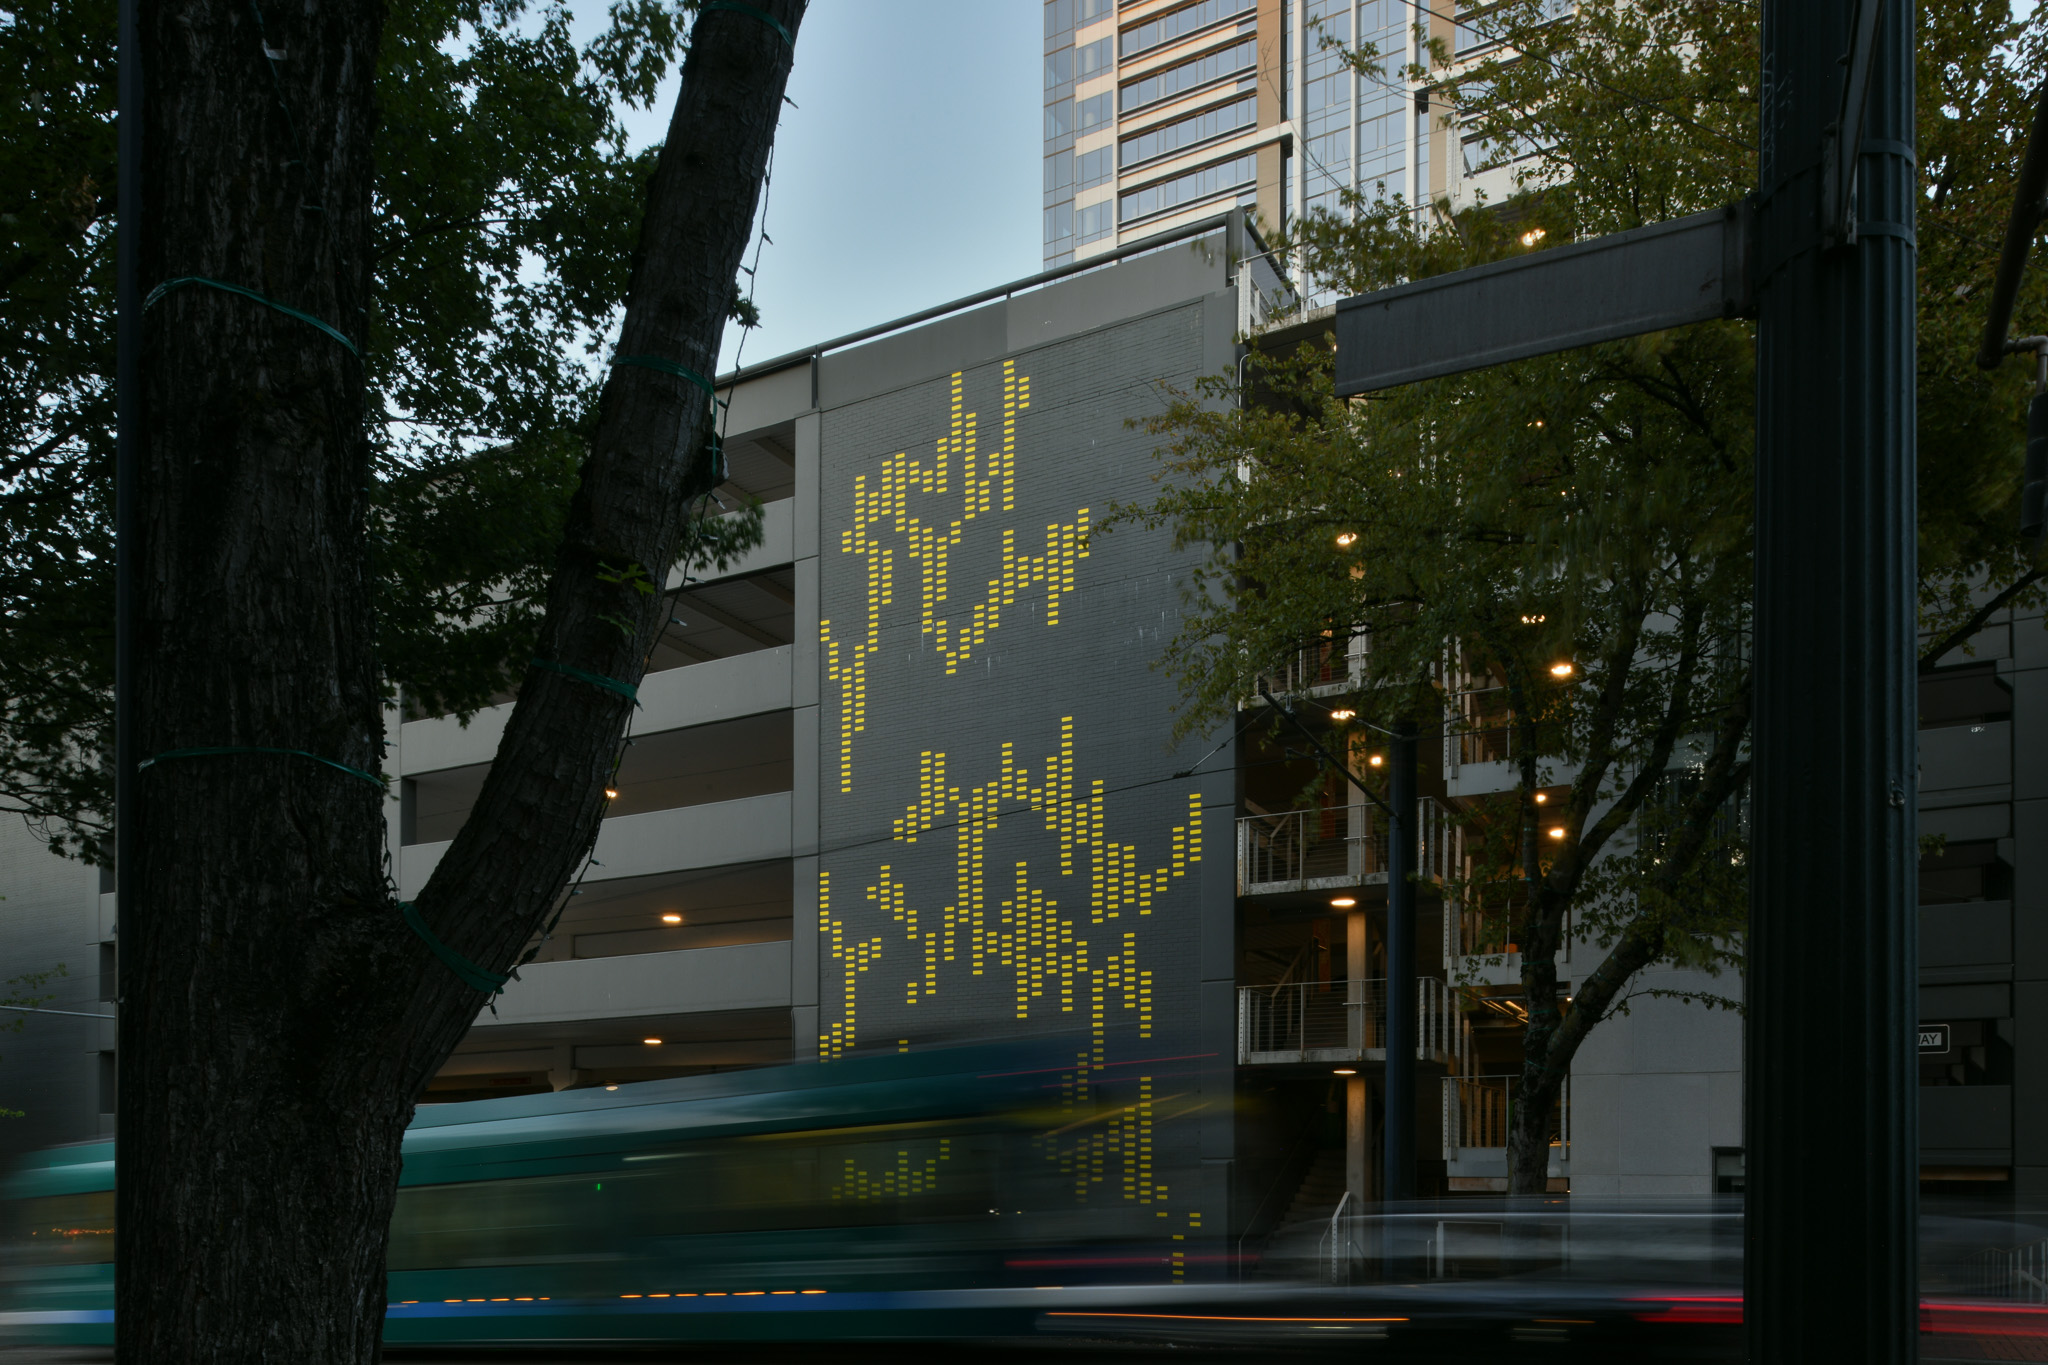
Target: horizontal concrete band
(747,976)
(719,689)
(751,829)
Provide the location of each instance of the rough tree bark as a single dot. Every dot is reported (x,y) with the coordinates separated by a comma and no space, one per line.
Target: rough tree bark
(278,1020)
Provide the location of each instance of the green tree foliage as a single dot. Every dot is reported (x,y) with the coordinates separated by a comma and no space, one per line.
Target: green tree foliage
(507,207)
(1552,559)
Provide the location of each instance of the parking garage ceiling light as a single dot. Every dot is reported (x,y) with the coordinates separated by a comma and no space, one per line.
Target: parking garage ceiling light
(1343,902)
(671,918)
(652,1042)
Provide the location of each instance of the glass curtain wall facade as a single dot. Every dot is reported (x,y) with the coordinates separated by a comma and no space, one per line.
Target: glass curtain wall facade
(1159,113)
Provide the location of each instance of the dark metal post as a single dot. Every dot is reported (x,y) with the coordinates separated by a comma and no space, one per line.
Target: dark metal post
(127,499)
(1398,1148)
(1831,1103)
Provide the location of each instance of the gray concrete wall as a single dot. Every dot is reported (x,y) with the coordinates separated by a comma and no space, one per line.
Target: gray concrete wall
(49,1068)
(1655,1090)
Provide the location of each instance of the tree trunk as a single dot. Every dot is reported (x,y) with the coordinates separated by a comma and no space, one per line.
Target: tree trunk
(278,1020)
(1535,1091)
(1529,1134)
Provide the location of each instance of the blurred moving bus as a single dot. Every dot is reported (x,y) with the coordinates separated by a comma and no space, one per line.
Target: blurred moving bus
(800,1201)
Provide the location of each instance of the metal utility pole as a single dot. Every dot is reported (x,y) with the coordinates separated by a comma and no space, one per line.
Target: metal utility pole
(127,423)
(1398,1147)
(1831,1103)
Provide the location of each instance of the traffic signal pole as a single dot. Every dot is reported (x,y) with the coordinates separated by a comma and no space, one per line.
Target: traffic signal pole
(1831,1112)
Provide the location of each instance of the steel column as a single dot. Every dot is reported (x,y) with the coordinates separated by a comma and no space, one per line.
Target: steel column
(1398,1151)
(1830,1270)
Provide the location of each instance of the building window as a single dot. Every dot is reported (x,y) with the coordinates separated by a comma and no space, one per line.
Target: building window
(1185,189)
(1092,59)
(1331,153)
(1727,1170)
(1059,17)
(1174,79)
(1059,172)
(1059,225)
(1094,222)
(110,1076)
(1093,112)
(1168,27)
(1171,137)
(1059,119)
(1093,168)
(1059,68)
(110,984)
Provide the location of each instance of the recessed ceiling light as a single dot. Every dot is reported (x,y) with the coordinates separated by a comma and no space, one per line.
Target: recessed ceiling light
(1347,537)
(1375,760)
(1344,1071)
(611,793)
(611,1087)
(1343,714)
(671,918)
(1343,902)
(1557,832)
(1541,797)
(1560,670)
(652,1042)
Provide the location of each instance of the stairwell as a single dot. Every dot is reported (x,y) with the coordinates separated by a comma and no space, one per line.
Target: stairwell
(1290,1249)
(1321,1188)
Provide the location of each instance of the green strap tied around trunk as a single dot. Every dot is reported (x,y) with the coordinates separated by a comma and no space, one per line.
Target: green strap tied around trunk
(660,366)
(737,8)
(472,976)
(626,690)
(168,285)
(212,751)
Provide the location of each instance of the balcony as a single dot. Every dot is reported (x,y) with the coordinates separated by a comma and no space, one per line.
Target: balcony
(1476,1111)
(1325,848)
(1321,669)
(1340,1021)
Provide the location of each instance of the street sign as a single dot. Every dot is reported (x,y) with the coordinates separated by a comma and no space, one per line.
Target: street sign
(1624,284)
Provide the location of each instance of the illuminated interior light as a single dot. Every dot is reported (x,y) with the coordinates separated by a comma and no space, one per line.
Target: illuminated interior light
(1343,714)
(671,918)
(1345,1071)
(652,1042)
(1541,797)
(1347,537)
(611,1087)
(1557,832)
(1343,902)
(1533,236)
(1560,670)
(813,1291)
(1375,760)
(611,793)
